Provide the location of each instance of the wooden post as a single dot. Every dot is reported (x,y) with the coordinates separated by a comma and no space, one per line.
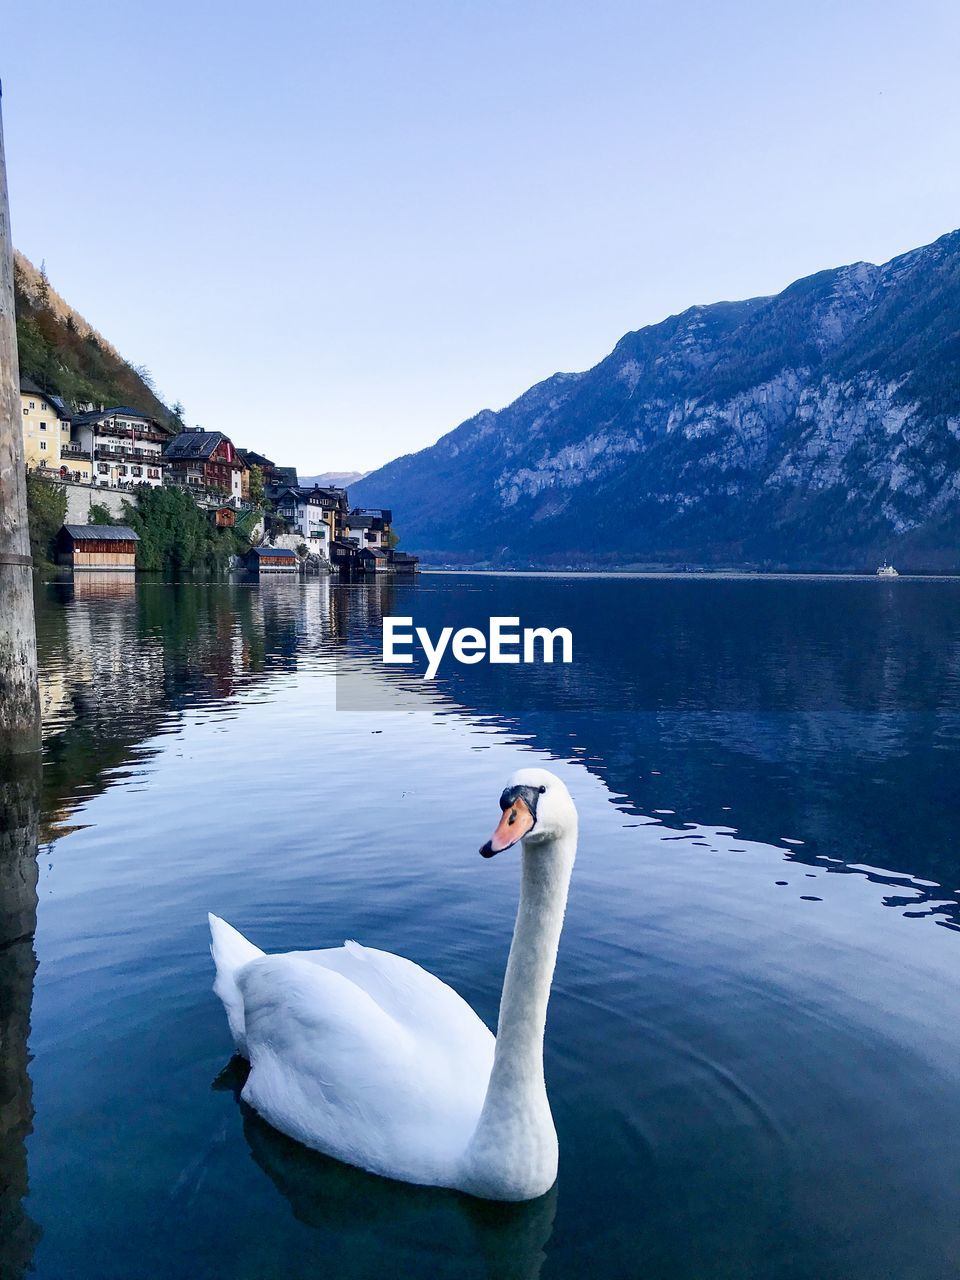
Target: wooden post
(19,818)
(19,699)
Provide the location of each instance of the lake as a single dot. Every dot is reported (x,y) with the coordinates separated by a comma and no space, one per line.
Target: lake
(753,1048)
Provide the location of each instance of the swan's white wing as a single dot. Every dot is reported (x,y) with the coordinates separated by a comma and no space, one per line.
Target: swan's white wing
(387,1072)
(412,996)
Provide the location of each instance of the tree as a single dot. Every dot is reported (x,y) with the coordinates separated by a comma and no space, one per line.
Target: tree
(256,485)
(46,512)
(100,514)
(176,537)
(145,376)
(43,287)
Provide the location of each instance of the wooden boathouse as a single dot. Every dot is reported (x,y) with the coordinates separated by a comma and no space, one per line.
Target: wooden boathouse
(97,546)
(267,559)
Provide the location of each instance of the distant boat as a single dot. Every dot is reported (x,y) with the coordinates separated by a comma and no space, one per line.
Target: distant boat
(887,571)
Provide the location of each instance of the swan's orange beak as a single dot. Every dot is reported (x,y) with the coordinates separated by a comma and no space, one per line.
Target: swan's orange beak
(517,820)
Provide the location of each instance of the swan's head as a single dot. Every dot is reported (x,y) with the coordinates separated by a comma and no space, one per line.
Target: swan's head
(536,807)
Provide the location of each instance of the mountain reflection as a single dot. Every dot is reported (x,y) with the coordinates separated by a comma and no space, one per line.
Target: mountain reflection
(822,716)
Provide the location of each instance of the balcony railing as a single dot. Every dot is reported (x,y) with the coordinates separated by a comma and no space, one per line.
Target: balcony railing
(131,455)
(108,429)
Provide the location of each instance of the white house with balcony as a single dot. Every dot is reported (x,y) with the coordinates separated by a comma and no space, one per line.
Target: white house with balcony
(310,513)
(125,447)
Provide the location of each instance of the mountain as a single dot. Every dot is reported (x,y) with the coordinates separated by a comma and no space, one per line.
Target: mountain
(338,479)
(66,356)
(816,429)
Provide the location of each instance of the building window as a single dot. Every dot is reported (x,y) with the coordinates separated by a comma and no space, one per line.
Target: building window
(43,426)
(43,444)
(32,405)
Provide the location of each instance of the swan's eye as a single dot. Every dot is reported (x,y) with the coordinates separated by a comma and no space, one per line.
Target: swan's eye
(542,790)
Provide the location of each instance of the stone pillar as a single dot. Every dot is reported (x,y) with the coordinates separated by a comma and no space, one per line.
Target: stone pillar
(19,699)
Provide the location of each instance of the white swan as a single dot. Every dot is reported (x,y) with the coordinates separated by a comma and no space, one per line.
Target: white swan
(367,1057)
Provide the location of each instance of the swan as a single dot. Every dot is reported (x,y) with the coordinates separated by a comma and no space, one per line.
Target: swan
(367,1057)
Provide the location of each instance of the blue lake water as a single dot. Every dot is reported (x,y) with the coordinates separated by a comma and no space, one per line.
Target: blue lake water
(753,1049)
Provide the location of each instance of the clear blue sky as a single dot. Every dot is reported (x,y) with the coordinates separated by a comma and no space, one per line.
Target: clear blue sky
(335,230)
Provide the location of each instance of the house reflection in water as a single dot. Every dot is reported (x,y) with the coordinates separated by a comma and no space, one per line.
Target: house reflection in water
(120,663)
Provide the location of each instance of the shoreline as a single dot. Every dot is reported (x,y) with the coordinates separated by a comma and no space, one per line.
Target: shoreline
(739,575)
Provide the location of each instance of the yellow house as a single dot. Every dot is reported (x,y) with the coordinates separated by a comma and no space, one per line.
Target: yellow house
(46,427)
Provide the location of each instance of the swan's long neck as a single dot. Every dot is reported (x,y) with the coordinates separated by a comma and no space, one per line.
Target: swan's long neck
(515,1134)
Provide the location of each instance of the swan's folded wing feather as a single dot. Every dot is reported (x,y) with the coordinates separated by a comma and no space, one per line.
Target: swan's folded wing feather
(415,998)
(333,1069)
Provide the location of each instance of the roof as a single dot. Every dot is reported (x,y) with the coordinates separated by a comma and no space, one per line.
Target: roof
(101,533)
(194,444)
(304,494)
(30,387)
(287,475)
(254,459)
(362,517)
(284,552)
(376,552)
(124,410)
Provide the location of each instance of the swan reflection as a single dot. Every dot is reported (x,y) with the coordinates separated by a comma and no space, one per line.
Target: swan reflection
(423,1231)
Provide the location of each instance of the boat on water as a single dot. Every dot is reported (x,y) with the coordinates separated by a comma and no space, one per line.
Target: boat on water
(887,571)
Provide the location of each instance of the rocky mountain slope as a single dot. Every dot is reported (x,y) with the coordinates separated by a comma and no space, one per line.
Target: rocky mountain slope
(819,428)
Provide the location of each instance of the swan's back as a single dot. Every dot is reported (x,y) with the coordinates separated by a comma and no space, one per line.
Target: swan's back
(363,1055)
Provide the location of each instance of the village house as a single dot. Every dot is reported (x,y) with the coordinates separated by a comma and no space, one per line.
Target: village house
(224,517)
(345,556)
(371,526)
(97,546)
(373,560)
(404,562)
(316,513)
(123,446)
(46,427)
(270,560)
(351,559)
(272,474)
(281,478)
(207,462)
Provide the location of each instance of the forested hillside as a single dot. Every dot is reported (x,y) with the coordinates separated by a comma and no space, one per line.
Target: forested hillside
(66,356)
